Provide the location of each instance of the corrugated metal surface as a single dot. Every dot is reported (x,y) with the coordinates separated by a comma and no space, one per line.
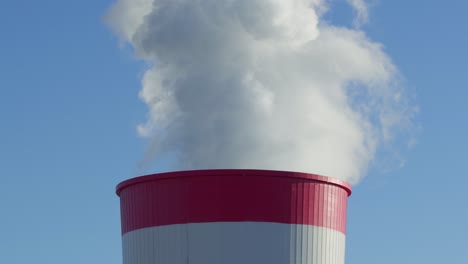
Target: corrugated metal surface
(206,212)
(234,243)
(231,198)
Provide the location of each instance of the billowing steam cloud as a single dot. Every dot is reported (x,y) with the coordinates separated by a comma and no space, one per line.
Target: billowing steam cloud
(261,84)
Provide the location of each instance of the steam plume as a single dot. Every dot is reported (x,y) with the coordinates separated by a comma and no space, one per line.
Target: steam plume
(362,13)
(261,84)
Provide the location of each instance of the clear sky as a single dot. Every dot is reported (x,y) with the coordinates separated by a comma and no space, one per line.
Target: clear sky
(69,108)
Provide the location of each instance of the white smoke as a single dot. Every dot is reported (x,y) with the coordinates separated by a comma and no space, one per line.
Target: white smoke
(361,10)
(261,84)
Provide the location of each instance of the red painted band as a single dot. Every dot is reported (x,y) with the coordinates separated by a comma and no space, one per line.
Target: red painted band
(233,196)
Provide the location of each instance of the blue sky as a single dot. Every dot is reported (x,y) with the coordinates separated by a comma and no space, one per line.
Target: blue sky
(69,108)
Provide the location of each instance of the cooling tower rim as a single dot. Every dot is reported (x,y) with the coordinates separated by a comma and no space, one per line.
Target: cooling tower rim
(231,172)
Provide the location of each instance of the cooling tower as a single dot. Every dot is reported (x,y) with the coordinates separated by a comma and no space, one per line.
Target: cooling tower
(233,217)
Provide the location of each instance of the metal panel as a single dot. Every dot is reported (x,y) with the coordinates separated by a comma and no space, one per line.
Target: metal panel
(233,197)
(233,216)
(233,243)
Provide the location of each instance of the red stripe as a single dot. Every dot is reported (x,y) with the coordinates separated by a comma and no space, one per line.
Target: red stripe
(263,196)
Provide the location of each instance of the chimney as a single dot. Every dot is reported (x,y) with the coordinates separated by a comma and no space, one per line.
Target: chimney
(233,217)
